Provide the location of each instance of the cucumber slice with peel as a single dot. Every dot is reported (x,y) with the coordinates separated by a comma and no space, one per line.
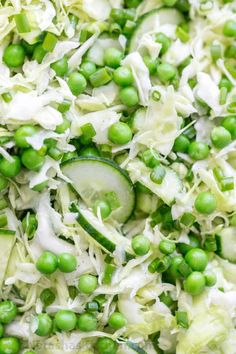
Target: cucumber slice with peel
(226,244)
(94,178)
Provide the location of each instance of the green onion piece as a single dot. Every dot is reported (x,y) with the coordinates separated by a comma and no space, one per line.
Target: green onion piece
(100,77)
(112,200)
(182,34)
(182,318)
(184,269)
(156,95)
(22,23)
(158,174)
(218,173)
(223,95)
(159,265)
(192,82)
(64,106)
(88,131)
(73,20)
(49,42)
(3,220)
(55,153)
(108,273)
(3,203)
(129,28)
(232,107)
(115,28)
(210,244)
(187,219)
(215,51)
(227,184)
(189,177)
(106,150)
(230,66)
(7,97)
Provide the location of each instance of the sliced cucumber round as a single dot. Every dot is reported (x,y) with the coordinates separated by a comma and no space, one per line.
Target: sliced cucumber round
(226,244)
(149,21)
(96,178)
(103,234)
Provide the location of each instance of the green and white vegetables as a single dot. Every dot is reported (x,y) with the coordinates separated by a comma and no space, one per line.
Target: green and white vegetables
(117,177)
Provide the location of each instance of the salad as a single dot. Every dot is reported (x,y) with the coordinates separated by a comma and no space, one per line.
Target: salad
(118,176)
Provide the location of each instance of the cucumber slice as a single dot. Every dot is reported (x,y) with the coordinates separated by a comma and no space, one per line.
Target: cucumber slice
(103,234)
(94,178)
(226,244)
(7,240)
(149,22)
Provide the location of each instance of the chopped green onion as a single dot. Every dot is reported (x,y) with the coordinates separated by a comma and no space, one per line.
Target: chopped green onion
(7,97)
(3,203)
(182,319)
(108,273)
(64,106)
(223,95)
(215,51)
(227,184)
(88,132)
(22,23)
(232,107)
(182,34)
(158,174)
(192,82)
(156,95)
(159,265)
(184,269)
(218,173)
(3,220)
(106,150)
(49,42)
(210,244)
(115,28)
(129,28)
(73,20)
(100,77)
(187,219)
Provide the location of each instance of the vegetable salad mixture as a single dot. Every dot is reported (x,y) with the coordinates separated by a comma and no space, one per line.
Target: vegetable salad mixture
(118,176)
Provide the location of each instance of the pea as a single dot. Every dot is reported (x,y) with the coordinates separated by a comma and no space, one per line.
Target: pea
(181,144)
(14,55)
(166,72)
(229,123)
(113,57)
(44,324)
(87,283)
(195,283)
(197,259)
(47,297)
(164,41)
(60,67)
(65,320)
(90,151)
(117,320)
(87,68)
(67,263)
(47,263)
(22,134)
(8,311)
(10,169)
(210,278)
(123,76)
(205,203)
(141,245)
(167,247)
(129,96)
(229,29)
(106,345)
(32,159)
(220,137)
(87,322)
(198,150)
(3,183)
(9,345)
(119,133)
(103,207)
(77,83)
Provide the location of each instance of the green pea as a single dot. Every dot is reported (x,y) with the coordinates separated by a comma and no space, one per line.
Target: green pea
(103,207)
(166,72)
(29,225)
(117,320)
(47,263)
(77,83)
(60,67)
(106,345)
(8,311)
(119,133)
(167,247)
(224,82)
(44,324)
(198,150)
(181,144)
(123,76)
(47,297)
(210,278)
(195,283)
(39,53)
(150,63)
(65,320)
(14,55)
(158,174)
(10,169)
(87,322)
(87,68)
(229,123)
(67,262)
(87,283)
(3,183)
(113,57)
(164,41)
(129,96)
(9,345)
(32,159)
(229,29)
(183,5)
(141,245)
(197,259)
(205,203)
(90,151)
(22,133)
(220,137)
